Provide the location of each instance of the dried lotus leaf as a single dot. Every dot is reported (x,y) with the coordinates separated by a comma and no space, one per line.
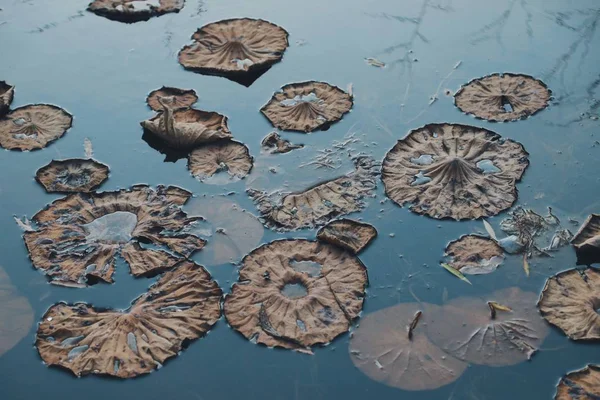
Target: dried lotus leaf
(175,97)
(228,157)
(72,175)
(351,235)
(587,241)
(472,254)
(583,384)
(273,143)
(131,11)
(7,93)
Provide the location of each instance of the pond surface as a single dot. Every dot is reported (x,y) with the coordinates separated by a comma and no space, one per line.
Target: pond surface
(101,71)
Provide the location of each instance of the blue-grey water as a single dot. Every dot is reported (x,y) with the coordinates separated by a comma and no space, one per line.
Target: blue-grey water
(100,71)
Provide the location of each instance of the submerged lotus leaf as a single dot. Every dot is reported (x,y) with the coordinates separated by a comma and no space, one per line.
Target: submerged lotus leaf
(465,328)
(454,171)
(307,106)
(474,255)
(182,306)
(587,241)
(230,158)
(348,234)
(296,294)
(72,175)
(571,300)
(503,97)
(273,143)
(134,10)
(583,384)
(16,314)
(7,93)
(79,236)
(381,348)
(33,127)
(321,203)
(176,98)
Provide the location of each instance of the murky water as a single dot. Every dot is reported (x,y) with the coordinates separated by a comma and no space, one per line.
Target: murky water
(101,71)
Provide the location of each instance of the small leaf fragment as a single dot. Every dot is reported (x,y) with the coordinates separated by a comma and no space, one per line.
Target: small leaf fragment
(87,146)
(455,272)
(490,230)
(375,62)
(500,307)
(525,265)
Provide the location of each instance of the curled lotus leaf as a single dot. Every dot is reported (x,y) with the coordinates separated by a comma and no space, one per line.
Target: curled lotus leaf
(583,384)
(175,97)
(454,171)
(78,237)
(473,330)
(307,106)
(7,93)
(503,97)
(182,306)
(351,235)
(321,203)
(273,143)
(570,301)
(130,11)
(382,349)
(16,314)
(72,175)
(220,163)
(33,127)
(296,293)
(474,255)
(587,241)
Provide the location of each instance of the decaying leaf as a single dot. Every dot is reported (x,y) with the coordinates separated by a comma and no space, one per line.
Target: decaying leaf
(587,241)
(221,162)
(489,230)
(7,93)
(72,175)
(296,293)
(374,62)
(273,143)
(174,97)
(130,11)
(571,300)
(503,97)
(455,272)
(182,306)
(583,384)
(454,171)
(473,255)
(351,235)
(16,314)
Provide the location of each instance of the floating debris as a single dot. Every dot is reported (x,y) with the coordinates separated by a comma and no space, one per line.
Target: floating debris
(72,175)
(351,235)
(274,144)
(375,62)
(7,93)
(131,11)
(225,158)
(174,97)
(16,314)
(474,255)
(583,384)
(587,241)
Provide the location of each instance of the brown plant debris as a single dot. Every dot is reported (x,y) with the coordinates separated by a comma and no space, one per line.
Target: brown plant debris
(351,235)
(321,203)
(274,144)
(474,255)
(583,384)
(587,241)
(79,236)
(382,349)
(72,175)
(176,98)
(130,11)
(296,293)
(503,97)
(182,306)
(465,328)
(33,127)
(454,171)
(16,314)
(230,157)
(307,106)
(7,93)
(570,300)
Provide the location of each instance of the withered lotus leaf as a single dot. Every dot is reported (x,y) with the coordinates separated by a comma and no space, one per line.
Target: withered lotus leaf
(587,241)
(307,106)
(296,293)
(351,235)
(7,93)
(134,10)
(583,384)
(232,158)
(273,143)
(466,328)
(503,97)
(472,254)
(32,127)
(16,314)
(72,175)
(176,98)
(382,349)
(454,171)
(182,306)
(321,203)
(79,236)
(571,300)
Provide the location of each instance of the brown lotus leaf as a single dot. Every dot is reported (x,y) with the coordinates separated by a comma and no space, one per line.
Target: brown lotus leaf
(307,106)
(182,306)
(72,175)
(130,11)
(464,328)
(274,144)
(583,384)
(571,300)
(296,293)
(16,314)
(33,127)
(7,93)
(176,98)
(351,235)
(503,97)
(587,241)
(321,203)
(79,236)
(454,171)
(230,157)
(381,348)
(474,255)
